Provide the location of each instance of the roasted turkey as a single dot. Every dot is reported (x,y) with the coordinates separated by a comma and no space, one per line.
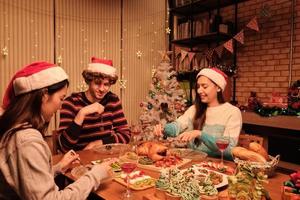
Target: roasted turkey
(154,150)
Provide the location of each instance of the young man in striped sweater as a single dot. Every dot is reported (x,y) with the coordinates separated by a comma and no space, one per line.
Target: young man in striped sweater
(94,117)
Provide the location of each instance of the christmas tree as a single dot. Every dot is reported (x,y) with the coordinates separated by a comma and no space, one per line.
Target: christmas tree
(166,100)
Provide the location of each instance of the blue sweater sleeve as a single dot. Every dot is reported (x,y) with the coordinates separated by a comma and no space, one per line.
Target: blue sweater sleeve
(171,129)
(210,142)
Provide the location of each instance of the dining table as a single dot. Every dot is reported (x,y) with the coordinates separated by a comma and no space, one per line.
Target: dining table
(112,190)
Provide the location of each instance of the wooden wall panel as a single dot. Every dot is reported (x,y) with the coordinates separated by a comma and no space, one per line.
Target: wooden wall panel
(71,31)
(26,29)
(144,31)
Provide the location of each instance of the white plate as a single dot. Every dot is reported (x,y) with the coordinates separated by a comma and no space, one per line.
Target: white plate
(112,149)
(224,182)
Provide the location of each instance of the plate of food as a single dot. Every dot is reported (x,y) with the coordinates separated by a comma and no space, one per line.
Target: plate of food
(155,156)
(112,149)
(115,166)
(138,180)
(222,168)
(188,153)
(218,179)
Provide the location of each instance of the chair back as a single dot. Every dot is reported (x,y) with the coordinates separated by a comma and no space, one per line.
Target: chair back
(55,149)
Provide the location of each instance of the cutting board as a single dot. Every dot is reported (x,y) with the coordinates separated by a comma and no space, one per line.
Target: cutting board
(121,181)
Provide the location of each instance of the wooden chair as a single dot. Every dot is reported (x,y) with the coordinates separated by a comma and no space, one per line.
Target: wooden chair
(246,139)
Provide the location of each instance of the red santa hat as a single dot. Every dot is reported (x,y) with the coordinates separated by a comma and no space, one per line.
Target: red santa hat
(216,75)
(32,77)
(102,66)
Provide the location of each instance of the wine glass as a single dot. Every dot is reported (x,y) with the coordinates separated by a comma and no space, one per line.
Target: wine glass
(135,134)
(222,143)
(128,167)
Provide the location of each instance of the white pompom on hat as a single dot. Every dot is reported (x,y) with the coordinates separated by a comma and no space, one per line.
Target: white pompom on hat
(216,75)
(32,77)
(103,66)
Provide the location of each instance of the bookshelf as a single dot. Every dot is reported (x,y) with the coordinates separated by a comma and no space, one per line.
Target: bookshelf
(196,25)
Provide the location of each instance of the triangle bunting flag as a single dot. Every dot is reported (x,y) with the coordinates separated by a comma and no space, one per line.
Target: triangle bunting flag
(228,45)
(253,24)
(240,37)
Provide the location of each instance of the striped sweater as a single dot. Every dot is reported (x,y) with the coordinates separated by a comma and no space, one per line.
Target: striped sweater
(110,127)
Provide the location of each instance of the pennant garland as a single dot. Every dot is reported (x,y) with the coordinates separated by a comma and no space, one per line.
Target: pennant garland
(165,55)
(219,50)
(228,45)
(240,37)
(191,55)
(183,55)
(253,24)
(209,54)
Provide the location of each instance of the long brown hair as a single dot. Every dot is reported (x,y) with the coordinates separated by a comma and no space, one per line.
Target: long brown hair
(26,108)
(201,107)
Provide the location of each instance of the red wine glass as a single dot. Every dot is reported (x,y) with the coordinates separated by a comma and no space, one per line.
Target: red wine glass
(222,143)
(128,168)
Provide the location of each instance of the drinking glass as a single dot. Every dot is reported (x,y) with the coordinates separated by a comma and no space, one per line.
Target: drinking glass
(128,167)
(135,135)
(222,143)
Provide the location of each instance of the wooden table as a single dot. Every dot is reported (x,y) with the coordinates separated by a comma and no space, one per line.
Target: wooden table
(112,190)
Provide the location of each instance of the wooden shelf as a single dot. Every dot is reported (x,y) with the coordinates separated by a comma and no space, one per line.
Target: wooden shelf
(283,122)
(187,75)
(203,39)
(202,6)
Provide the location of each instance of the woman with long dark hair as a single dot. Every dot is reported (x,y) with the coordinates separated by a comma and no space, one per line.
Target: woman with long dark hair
(209,117)
(34,94)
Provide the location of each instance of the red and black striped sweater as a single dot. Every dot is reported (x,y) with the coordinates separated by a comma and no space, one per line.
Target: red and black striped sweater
(110,127)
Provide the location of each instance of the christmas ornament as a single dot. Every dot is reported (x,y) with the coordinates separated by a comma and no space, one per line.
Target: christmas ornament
(82,86)
(150,106)
(59,60)
(123,83)
(168,30)
(4,51)
(139,54)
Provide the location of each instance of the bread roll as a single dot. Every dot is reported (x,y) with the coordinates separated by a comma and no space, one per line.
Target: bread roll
(245,154)
(254,146)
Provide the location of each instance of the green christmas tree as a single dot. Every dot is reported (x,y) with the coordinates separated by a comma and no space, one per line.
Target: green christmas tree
(166,100)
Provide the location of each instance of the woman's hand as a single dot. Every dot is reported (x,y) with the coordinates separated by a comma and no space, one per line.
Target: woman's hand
(189,135)
(158,130)
(70,157)
(93,145)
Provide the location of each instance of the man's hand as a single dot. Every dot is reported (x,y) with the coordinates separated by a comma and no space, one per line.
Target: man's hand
(87,110)
(189,135)
(93,145)
(93,108)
